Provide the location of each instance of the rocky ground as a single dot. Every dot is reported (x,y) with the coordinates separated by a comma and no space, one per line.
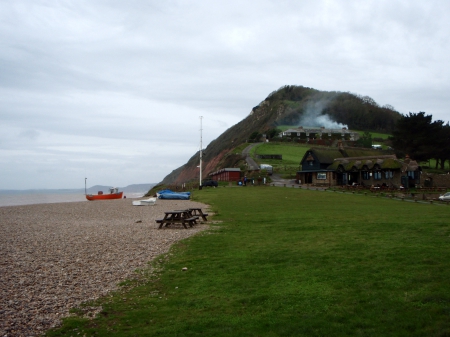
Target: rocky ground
(56,256)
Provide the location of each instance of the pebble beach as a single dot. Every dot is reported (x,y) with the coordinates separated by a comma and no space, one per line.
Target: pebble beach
(55,256)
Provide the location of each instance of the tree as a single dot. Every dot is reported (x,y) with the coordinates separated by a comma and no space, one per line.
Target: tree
(417,135)
(365,140)
(255,136)
(271,133)
(422,138)
(442,149)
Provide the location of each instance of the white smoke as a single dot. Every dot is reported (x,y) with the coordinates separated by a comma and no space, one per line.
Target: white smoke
(313,117)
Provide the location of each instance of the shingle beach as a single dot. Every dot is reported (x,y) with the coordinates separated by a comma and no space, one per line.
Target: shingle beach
(56,256)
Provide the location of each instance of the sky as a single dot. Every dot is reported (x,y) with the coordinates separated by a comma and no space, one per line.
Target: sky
(113,91)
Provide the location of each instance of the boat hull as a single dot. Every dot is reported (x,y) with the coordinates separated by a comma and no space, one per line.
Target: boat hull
(92,197)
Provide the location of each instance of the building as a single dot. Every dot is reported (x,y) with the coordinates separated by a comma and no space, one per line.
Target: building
(226,174)
(322,133)
(355,166)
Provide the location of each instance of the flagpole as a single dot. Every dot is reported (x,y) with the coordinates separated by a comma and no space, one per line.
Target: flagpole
(201,152)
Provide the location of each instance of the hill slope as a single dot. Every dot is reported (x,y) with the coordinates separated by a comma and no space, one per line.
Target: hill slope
(291,105)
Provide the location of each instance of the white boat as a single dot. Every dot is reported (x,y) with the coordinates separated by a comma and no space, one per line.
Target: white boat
(146,202)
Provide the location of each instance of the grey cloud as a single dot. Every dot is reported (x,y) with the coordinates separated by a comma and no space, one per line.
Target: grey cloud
(86,73)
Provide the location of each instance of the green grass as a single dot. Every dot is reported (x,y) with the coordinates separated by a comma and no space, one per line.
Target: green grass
(291,262)
(285,127)
(384,136)
(292,155)
(431,164)
(240,148)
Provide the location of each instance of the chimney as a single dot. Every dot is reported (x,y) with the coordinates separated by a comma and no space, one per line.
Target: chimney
(407,159)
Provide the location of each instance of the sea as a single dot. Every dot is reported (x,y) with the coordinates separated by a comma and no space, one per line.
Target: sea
(30,197)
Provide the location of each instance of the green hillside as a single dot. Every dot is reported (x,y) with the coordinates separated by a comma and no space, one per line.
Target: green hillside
(291,153)
(287,107)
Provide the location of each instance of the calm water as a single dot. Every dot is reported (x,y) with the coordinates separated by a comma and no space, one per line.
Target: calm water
(27,198)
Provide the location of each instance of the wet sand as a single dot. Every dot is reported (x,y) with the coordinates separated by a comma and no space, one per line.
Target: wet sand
(56,256)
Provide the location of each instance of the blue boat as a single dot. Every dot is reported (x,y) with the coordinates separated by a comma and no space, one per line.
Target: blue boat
(171,195)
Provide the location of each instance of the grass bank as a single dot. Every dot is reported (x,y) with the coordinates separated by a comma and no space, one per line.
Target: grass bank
(292,155)
(291,262)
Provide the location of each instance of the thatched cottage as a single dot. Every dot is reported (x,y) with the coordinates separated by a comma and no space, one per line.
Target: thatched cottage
(356,166)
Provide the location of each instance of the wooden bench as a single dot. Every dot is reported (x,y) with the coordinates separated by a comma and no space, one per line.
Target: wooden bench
(177,217)
(199,213)
(192,220)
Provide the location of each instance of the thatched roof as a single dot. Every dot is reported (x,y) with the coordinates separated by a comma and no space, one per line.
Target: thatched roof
(383,162)
(328,155)
(351,159)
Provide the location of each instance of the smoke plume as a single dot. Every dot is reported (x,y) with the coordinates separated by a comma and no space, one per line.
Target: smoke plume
(313,117)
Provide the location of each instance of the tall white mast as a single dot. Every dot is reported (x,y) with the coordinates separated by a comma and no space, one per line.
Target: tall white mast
(201,150)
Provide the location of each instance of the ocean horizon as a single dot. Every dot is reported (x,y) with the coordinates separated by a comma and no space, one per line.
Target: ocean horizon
(31,197)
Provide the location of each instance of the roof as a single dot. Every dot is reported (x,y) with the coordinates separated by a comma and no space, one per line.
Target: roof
(358,159)
(369,162)
(383,162)
(227,169)
(309,129)
(326,155)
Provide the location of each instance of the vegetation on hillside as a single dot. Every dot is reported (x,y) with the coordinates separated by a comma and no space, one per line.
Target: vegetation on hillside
(355,111)
(286,106)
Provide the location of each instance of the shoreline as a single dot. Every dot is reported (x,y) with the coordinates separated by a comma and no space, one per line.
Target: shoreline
(54,256)
(20,199)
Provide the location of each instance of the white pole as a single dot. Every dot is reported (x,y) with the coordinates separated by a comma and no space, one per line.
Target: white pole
(201,150)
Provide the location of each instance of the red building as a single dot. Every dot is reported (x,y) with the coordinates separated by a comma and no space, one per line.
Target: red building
(226,174)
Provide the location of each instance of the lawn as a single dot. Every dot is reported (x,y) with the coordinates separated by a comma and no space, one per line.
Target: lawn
(384,136)
(292,262)
(292,155)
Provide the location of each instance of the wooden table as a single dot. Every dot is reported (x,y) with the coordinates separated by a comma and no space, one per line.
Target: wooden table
(198,212)
(175,217)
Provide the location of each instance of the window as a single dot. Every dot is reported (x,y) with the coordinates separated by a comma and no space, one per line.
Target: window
(388,174)
(321,176)
(365,175)
(377,175)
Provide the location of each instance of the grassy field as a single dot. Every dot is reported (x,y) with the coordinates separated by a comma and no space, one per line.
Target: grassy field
(292,262)
(376,134)
(292,155)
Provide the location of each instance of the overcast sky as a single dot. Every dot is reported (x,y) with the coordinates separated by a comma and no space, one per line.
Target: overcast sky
(113,90)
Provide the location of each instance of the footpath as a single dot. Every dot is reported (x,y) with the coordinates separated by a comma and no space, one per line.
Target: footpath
(252,164)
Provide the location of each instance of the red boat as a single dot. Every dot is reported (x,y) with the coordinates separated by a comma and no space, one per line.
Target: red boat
(113,194)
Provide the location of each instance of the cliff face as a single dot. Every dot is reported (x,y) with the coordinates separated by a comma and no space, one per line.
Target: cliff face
(290,105)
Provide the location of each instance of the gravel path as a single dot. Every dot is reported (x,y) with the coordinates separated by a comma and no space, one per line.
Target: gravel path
(56,256)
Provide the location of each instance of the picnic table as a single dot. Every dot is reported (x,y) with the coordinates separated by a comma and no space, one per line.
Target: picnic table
(199,213)
(177,217)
